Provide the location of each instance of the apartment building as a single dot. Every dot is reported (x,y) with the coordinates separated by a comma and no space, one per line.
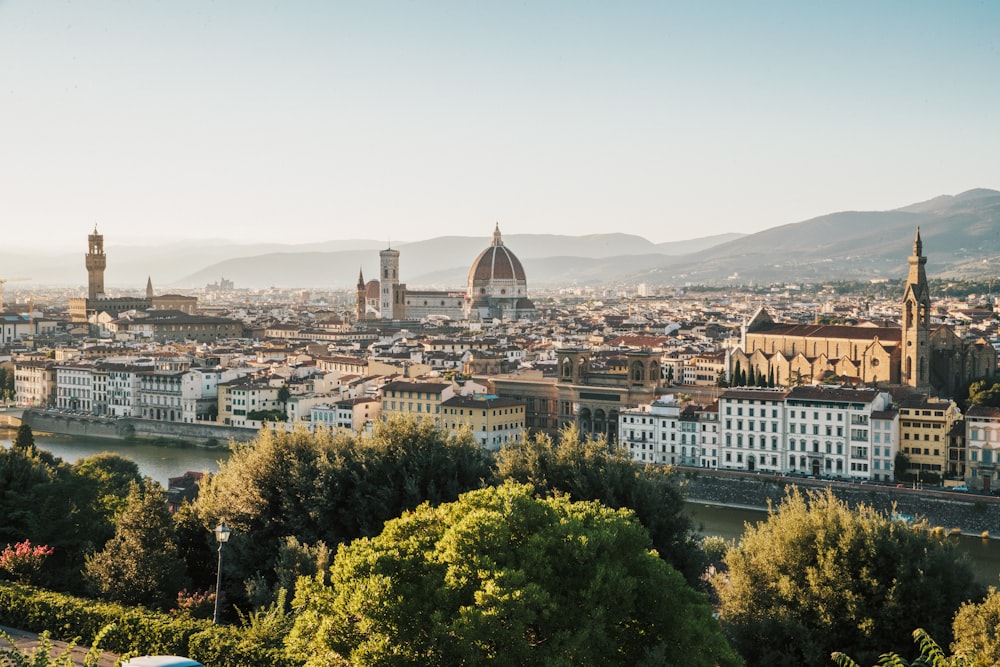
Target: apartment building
(924,425)
(752,430)
(494,421)
(809,430)
(35,384)
(982,440)
(241,399)
(417,399)
(75,387)
(665,432)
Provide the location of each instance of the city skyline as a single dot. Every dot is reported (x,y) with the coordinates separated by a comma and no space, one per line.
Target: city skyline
(322,121)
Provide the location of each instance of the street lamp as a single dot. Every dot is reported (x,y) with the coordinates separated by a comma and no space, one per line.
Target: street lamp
(222,532)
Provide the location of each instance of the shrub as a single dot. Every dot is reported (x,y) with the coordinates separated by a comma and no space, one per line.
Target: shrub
(135,629)
(23,562)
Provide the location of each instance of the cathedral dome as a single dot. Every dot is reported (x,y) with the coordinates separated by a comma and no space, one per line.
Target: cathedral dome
(497,262)
(497,285)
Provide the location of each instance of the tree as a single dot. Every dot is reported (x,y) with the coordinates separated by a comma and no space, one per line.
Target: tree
(112,475)
(41,500)
(25,439)
(501,577)
(984,393)
(977,631)
(586,469)
(332,486)
(141,563)
(818,577)
(901,467)
(720,379)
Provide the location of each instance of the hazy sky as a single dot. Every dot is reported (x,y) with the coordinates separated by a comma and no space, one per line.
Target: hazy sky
(300,121)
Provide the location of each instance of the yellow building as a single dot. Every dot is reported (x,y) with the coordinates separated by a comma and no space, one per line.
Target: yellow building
(416,399)
(494,421)
(924,425)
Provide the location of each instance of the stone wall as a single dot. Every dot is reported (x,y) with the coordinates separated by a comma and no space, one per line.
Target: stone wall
(130,428)
(970,513)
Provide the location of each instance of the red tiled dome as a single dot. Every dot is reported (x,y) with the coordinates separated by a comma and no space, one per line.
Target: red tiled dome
(496,263)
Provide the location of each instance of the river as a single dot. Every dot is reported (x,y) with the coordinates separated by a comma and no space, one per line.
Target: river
(728,522)
(162,462)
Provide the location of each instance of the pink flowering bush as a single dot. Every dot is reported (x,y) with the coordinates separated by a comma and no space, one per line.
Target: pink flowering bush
(22,562)
(196,604)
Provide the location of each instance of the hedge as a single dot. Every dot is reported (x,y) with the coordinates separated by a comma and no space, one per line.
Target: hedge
(136,630)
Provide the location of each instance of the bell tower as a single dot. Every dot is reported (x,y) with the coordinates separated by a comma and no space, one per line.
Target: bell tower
(389,284)
(97,261)
(916,325)
(360,305)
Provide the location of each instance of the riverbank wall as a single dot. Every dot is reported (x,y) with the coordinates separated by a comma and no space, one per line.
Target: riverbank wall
(972,514)
(129,428)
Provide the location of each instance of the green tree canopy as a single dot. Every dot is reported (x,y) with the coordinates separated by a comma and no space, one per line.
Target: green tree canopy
(112,475)
(818,576)
(976,629)
(984,393)
(331,487)
(501,577)
(141,563)
(25,438)
(43,501)
(587,469)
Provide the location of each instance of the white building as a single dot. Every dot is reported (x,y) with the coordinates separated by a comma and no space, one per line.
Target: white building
(35,384)
(982,440)
(708,435)
(75,387)
(159,396)
(752,430)
(820,431)
(653,433)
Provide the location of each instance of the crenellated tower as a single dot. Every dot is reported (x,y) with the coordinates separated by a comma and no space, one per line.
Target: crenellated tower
(97,261)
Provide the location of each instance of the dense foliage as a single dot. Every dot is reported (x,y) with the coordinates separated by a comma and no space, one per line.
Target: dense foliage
(977,631)
(332,487)
(587,469)
(133,630)
(141,564)
(65,507)
(502,577)
(818,577)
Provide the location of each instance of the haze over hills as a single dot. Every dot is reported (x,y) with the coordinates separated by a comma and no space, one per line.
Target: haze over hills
(961,236)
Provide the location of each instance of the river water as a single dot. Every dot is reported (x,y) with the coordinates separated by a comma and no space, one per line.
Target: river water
(728,523)
(161,462)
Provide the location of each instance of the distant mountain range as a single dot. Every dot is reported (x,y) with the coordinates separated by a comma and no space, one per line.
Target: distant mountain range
(961,237)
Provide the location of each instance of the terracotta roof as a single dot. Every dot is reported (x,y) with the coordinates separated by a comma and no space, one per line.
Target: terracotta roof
(892,334)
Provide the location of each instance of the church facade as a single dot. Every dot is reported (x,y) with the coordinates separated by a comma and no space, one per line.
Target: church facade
(913,354)
(496,288)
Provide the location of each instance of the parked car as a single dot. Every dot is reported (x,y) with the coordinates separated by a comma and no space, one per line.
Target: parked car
(161,661)
(960,487)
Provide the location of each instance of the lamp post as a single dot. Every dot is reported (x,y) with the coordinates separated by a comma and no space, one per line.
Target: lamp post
(222,532)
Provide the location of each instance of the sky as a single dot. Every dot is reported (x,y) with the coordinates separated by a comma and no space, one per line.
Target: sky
(304,121)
